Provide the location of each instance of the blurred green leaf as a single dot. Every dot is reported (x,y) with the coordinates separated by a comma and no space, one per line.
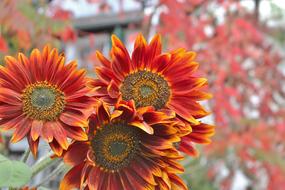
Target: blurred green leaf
(13,173)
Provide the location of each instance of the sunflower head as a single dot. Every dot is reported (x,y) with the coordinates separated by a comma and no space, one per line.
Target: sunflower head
(40,96)
(128,148)
(166,81)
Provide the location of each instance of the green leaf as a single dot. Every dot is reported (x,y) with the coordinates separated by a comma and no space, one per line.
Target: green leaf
(13,173)
(5,170)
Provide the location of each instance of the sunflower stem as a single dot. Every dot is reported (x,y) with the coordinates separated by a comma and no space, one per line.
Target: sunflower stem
(43,164)
(25,155)
(60,168)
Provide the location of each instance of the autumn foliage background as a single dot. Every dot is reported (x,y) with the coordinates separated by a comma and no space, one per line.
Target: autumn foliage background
(239,51)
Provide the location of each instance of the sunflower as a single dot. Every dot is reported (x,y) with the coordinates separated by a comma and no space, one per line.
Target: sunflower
(127,149)
(42,97)
(165,81)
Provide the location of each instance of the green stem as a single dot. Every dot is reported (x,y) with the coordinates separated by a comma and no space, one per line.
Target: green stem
(25,156)
(60,168)
(43,164)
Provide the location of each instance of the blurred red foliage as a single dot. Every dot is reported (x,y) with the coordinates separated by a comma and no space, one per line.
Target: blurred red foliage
(3,45)
(242,66)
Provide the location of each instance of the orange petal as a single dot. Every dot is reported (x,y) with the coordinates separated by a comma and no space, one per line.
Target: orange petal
(143,126)
(177,183)
(155,117)
(116,114)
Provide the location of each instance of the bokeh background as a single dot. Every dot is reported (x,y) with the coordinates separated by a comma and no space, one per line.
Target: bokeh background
(240,46)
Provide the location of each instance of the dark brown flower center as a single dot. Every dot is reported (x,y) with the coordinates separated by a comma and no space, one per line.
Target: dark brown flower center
(43,101)
(146,89)
(115,146)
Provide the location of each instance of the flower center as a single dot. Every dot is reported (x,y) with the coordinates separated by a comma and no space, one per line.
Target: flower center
(43,101)
(146,89)
(115,146)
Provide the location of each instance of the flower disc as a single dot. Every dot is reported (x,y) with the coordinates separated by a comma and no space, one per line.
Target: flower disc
(146,89)
(43,101)
(115,145)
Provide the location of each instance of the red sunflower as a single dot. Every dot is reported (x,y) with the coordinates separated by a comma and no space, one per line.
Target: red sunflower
(165,81)
(42,97)
(127,149)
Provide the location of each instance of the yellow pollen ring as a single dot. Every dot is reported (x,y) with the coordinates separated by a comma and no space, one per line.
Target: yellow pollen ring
(146,89)
(115,145)
(43,101)
(129,145)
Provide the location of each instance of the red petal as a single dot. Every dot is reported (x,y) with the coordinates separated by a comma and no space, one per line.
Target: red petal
(159,62)
(143,170)
(33,145)
(182,111)
(75,133)
(73,120)
(95,178)
(18,69)
(36,60)
(137,181)
(138,54)
(22,128)
(36,129)
(47,133)
(153,49)
(121,62)
(103,60)
(10,97)
(187,84)
(72,178)
(113,90)
(76,153)
(56,148)
(188,149)
(60,135)
(189,106)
